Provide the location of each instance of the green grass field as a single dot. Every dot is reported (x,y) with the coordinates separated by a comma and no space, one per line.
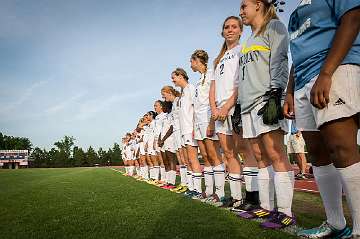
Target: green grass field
(101,203)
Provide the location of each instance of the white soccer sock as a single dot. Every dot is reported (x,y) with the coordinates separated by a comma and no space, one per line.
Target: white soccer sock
(189,180)
(196,177)
(266,187)
(172,177)
(131,172)
(146,172)
(350,177)
(151,172)
(219,178)
(163,174)
(137,169)
(284,188)
(209,180)
(142,171)
(235,185)
(251,178)
(127,169)
(329,184)
(156,172)
(183,171)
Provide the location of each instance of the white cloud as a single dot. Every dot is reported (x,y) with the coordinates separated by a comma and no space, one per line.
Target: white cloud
(26,95)
(93,107)
(64,104)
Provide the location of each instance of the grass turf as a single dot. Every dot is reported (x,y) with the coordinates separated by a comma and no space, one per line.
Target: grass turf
(101,203)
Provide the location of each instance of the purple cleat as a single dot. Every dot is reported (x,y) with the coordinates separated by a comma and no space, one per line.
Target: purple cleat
(278,220)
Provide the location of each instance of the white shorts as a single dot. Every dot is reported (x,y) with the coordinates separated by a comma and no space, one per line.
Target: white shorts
(253,125)
(150,149)
(142,148)
(177,139)
(169,145)
(200,132)
(188,139)
(295,144)
(224,127)
(344,99)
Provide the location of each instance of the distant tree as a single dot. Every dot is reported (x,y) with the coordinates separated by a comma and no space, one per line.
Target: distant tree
(40,158)
(79,157)
(102,157)
(116,155)
(63,157)
(13,143)
(91,156)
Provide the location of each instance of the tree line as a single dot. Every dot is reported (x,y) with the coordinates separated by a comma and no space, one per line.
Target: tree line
(64,153)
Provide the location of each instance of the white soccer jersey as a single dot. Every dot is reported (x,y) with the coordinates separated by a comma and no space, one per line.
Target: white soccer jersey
(226,76)
(128,152)
(158,124)
(166,124)
(202,112)
(175,111)
(186,115)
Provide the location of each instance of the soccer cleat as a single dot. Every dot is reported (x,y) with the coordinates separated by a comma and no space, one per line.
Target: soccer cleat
(257,213)
(183,189)
(197,196)
(245,206)
(190,194)
(168,186)
(224,201)
(325,231)
(212,199)
(176,188)
(300,176)
(278,220)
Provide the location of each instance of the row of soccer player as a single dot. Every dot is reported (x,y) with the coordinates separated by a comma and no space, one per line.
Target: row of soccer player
(240,106)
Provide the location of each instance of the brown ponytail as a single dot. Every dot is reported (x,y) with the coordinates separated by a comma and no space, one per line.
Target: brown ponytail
(269,14)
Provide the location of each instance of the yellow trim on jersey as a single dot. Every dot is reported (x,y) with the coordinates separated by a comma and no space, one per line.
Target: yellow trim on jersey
(245,49)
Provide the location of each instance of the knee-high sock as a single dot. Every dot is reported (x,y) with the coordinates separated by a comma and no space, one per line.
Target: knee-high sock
(156,172)
(331,194)
(196,177)
(284,188)
(183,172)
(146,172)
(266,187)
(190,183)
(251,178)
(219,178)
(163,174)
(172,177)
(235,185)
(350,177)
(209,180)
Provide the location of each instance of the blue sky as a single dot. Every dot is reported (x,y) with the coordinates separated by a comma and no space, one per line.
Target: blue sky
(90,68)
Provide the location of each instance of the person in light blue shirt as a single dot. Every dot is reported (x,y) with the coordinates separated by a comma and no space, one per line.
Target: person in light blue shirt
(323,94)
(296,147)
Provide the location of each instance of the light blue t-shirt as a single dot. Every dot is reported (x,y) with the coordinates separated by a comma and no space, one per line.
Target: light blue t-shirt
(312,28)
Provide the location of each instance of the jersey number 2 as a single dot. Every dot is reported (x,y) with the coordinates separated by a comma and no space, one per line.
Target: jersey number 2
(222,69)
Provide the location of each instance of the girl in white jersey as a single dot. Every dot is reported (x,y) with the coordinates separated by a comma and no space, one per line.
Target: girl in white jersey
(204,127)
(168,149)
(142,154)
(223,96)
(171,95)
(159,164)
(263,77)
(180,79)
(148,144)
